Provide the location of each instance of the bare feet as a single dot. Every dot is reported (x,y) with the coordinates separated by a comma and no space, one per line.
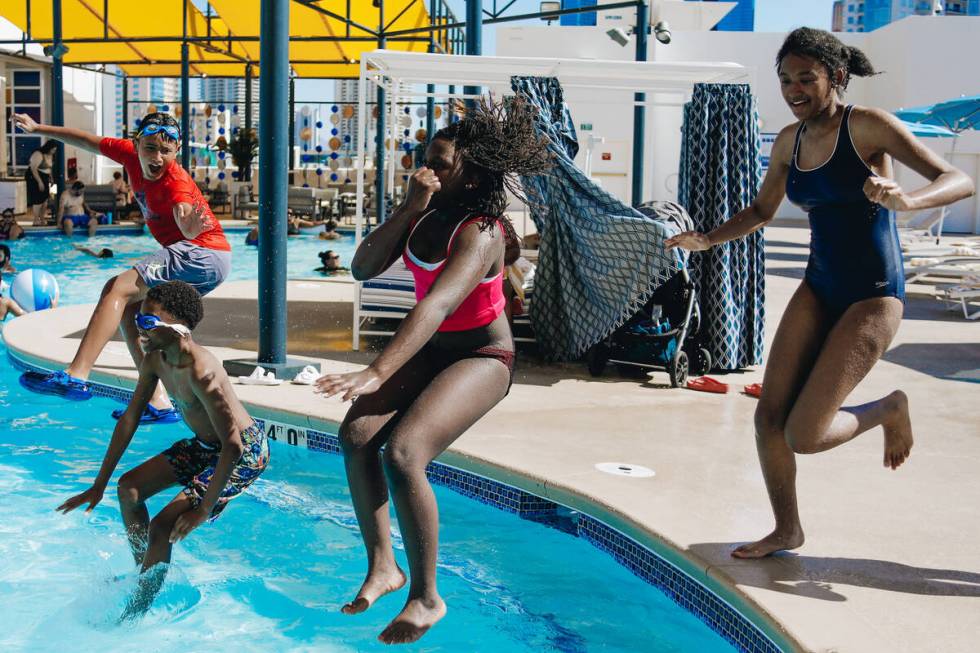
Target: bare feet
(898,430)
(376,585)
(775,541)
(413,621)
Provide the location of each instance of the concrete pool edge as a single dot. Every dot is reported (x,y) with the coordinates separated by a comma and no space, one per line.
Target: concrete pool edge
(612,531)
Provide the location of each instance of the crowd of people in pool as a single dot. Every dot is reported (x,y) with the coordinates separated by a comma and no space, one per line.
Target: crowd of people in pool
(452,358)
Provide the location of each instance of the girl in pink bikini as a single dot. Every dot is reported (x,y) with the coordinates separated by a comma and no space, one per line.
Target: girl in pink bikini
(451,359)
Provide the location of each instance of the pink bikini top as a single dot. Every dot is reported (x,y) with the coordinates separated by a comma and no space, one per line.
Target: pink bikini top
(481,306)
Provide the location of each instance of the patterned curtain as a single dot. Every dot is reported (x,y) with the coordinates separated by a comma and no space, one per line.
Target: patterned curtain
(720,174)
(599,260)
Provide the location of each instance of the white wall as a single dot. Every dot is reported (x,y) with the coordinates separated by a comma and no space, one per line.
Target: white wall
(924,59)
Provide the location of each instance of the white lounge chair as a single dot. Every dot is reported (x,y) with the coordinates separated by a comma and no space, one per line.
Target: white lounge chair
(391,295)
(957,267)
(921,225)
(965,297)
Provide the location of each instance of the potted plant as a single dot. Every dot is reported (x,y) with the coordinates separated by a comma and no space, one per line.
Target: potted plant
(243,147)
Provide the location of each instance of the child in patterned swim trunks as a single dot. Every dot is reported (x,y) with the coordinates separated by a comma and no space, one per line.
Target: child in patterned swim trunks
(225,456)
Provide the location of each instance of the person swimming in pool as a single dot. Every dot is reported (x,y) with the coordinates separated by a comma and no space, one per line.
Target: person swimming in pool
(836,163)
(194,249)
(9,229)
(7,305)
(103,252)
(451,359)
(225,456)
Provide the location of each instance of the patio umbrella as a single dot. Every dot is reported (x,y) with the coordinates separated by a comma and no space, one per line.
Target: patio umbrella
(928,131)
(956,115)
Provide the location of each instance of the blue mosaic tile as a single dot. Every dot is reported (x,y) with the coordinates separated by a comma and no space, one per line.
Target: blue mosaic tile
(644,563)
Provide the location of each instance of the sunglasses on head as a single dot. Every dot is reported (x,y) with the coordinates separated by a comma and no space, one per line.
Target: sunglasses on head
(148,322)
(156,128)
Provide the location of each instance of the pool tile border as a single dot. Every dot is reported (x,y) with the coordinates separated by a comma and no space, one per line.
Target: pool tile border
(653,568)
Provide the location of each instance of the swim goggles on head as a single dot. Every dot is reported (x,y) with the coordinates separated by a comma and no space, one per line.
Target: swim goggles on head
(155,128)
(150,322)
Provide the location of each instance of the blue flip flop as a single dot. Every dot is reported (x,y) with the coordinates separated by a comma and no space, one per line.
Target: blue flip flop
(153,415)
(60,384)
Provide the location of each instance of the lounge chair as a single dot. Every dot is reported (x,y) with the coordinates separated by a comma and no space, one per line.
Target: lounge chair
(965,297)
(388,297)
(921,225)
(956,267)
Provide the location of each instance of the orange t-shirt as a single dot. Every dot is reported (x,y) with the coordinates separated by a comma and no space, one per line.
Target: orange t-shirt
(157,198)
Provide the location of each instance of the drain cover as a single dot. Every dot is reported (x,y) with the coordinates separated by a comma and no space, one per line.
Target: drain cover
(625,469)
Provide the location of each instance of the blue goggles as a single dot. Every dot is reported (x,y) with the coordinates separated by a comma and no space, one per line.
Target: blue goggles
(148,322)
(156,128)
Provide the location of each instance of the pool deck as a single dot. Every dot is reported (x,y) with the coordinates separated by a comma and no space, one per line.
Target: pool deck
(891,561)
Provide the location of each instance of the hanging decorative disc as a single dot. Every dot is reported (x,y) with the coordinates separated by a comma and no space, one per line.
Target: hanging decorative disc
(221,143)
(407,161)
(421,112)
(178,111)
(334,118)
(347,162)
(305,110)
(151,109)
(334,143)
(406,121)
(306,133)
(207,110)
(348,111)
(374,112)
(438,112)
(421,135)
(334,164)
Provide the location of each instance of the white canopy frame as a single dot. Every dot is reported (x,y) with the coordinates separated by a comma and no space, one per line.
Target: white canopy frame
(392,70)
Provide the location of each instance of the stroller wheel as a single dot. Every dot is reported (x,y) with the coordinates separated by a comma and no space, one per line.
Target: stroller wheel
(702,362)
(596,359)
(678,370)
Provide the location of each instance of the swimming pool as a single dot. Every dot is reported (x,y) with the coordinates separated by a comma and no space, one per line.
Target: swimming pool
(274,570)
(81,277)
(272,573)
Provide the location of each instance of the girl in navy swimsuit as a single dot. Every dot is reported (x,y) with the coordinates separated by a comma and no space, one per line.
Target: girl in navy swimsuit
(835,163)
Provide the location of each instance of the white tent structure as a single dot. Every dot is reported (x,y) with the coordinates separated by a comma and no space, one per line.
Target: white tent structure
(394,71)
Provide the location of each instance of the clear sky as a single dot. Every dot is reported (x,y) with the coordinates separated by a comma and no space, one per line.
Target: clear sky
(770,15)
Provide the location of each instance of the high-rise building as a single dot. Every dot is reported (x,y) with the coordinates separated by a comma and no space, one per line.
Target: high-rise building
(231,92)
(869,15)
(740,19)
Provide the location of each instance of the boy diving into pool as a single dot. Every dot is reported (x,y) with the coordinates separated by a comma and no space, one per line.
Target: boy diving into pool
(225,456)
(194,249)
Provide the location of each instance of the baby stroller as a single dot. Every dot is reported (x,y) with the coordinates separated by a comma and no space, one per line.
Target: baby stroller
(663,334)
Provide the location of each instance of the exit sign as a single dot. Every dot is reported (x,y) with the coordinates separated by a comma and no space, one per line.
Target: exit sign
(586,126)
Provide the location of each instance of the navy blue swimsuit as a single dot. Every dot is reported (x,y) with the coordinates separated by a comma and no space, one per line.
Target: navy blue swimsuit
(854,248)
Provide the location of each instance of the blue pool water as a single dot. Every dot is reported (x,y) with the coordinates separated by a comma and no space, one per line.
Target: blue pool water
(81,277)
(273,571)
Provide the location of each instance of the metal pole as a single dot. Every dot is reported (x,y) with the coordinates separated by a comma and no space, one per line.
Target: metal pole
(273,103)
(430,101)
(474,39)
(639,111)
(292,124)
(248,98)
(185,106)
(57,92)
(379,165)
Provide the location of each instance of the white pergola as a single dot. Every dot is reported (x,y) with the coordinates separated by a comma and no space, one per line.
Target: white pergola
(392,71)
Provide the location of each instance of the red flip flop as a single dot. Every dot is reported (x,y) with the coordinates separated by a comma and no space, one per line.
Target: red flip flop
(753,390)
(707,384)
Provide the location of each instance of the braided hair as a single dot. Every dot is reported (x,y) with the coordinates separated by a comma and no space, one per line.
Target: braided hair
(826,48)
(497,144)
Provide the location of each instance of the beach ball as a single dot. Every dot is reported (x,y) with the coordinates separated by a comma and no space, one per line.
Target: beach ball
(35,290)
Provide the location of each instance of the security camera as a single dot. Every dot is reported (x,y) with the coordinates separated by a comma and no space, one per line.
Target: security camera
(53,51)
(619,36)
(662,32)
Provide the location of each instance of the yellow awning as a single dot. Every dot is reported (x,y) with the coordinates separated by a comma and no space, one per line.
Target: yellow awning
(153,33)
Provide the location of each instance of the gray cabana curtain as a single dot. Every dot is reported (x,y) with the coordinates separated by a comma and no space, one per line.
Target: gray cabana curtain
(720,174)
(599,260)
